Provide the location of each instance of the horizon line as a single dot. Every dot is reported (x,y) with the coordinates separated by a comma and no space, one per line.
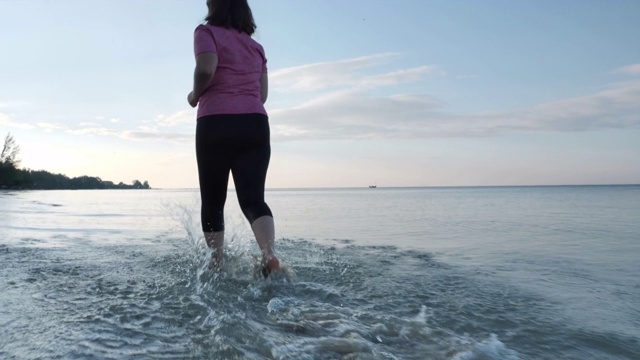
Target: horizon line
(412,186)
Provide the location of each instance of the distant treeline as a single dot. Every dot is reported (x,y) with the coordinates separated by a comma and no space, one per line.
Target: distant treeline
(12,177)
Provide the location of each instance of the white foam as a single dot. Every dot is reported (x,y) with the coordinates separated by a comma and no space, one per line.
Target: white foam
(417,327)
(489,349)
(422,315)
(275,305)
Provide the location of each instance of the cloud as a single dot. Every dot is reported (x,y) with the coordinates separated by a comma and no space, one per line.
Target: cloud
(353,115)
(349,108)
(13,104)
(175,119)
(360,115)
(345,74)
(147,134)
(87,124)
(6,120)
(157,136)
(101,131)
(618,106)
(91,129)
(629,70)
(153,131)
(48,127)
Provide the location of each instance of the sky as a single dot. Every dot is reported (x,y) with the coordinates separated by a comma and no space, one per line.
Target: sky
(362,92)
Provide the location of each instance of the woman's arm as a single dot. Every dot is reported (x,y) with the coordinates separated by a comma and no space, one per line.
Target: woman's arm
(206,64)
(264,87)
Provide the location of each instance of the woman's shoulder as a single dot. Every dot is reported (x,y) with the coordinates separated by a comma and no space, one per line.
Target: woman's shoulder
(220,29)
(229,33)
(217,32)
(214,29)
(209,28)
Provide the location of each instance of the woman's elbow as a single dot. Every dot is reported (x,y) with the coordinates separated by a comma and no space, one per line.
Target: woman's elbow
(205,71)
(264,87)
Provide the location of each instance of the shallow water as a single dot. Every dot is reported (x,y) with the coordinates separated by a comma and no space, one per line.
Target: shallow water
(478,273)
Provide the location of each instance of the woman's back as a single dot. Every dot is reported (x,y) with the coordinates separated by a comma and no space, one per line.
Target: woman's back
(235,88)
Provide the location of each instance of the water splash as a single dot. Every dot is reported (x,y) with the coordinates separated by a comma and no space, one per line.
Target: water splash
(490,349)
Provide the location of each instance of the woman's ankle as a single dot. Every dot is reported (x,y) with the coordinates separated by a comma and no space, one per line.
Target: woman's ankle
(216,260)
(272,262)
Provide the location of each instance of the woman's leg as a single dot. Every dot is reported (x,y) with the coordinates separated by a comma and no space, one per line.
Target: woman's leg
(213,173)
(215,241)
(265,233)
(249,171)
(250,189)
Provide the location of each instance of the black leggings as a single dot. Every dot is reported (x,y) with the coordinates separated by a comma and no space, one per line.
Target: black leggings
(236,143)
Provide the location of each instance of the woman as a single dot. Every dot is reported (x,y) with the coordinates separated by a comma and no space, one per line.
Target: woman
(230,88)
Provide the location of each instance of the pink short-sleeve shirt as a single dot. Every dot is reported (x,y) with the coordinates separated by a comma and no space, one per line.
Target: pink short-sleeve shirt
(235,87)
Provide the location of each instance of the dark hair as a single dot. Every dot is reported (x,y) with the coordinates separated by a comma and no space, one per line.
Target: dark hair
(235,14)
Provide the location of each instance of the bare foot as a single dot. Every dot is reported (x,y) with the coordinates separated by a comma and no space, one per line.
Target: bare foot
(270,265)
(273,264)
(216,261)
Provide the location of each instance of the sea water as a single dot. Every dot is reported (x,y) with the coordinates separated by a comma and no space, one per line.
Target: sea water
(386,273)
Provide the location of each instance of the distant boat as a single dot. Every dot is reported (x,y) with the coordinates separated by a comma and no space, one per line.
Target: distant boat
(373,186)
